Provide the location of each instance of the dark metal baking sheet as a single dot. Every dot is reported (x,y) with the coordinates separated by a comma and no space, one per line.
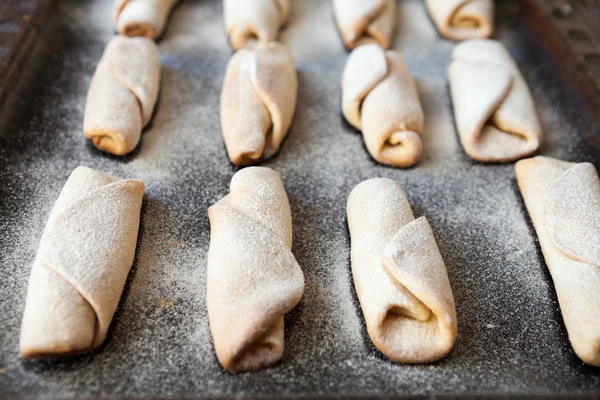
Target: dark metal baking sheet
(511,337)
(20,22)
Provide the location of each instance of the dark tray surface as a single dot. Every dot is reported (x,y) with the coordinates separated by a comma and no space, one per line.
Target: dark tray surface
(511,336)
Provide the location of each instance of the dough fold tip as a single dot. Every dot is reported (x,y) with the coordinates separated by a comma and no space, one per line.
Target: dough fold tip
(243,154)
(105,141)
(462,19)
(263,353)
(243,36)
(402,149)
(50,350)
(140,29)
(142,18)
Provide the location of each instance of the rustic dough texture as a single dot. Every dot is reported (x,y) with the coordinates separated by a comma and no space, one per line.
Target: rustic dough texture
(122,94)
(85,255)
(142,17)
(494,111)
(252,22)
(399,275)
(462,19)
(258,102)
(563,200)
(380,98)
(253,279)
(365,21)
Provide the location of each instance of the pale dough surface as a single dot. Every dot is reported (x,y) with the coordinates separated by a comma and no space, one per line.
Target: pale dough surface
(253,279)
(380,98)
(365,21)
(495,114)
(146,18)
(258,102)
(399,275)
(83,260)
(252,22)
(563,200)
(462,19)
(122,94)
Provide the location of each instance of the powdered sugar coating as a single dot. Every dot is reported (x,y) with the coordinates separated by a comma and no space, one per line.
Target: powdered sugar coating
(510,338)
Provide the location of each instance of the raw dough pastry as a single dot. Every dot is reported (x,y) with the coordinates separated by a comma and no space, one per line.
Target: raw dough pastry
(365,21)
(122,94)
(82,263)
(399,275)
(253,277)
(494,111)
(142,17)
(563,200)
(251,22)
(380,98)
(463,19)
(258,102)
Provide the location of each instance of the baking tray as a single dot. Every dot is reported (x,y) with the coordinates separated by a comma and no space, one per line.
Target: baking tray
(20,22)
(511,338)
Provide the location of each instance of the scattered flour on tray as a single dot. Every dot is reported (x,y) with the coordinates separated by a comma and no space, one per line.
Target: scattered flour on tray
(475,211)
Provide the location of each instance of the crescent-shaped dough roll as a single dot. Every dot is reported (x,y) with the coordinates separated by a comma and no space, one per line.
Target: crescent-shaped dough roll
(142,17)
(365,21)
(258,102)
(463,19)
(493,107)
(253,278)
(252,22)
(399,275)
(85,255)
(122,94)
(563,200)
(380,98)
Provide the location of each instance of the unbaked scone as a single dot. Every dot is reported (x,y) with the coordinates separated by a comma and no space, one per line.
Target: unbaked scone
(82,263)
(253,22)
(365,21)
(380,98)
(142,17)
(399,275)
(122,94)
(253,278)
(462,19)
(258,102)
(494,111)
(563,200)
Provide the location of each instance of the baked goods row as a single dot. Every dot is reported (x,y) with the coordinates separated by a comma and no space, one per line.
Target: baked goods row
(495,114)
(253,279)
(494,111)
(359,21)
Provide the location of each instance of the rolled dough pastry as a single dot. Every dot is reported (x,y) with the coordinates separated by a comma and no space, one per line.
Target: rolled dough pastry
(253,277)
(493,108)
(380,98)
(122,94)
(85,255)
(252,22)
(142,17)
(463,19)
(399,275)
(258,102)
(365,21)
(563,200)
